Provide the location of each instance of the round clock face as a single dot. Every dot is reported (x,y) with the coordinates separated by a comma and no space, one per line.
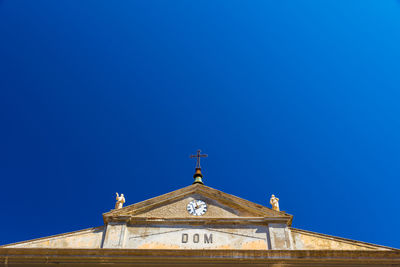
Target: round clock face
(197,207)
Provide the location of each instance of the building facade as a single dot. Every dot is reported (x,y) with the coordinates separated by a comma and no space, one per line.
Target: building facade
(196,226)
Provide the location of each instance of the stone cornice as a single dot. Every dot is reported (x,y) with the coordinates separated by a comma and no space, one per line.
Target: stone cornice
(69,257)
(197,220)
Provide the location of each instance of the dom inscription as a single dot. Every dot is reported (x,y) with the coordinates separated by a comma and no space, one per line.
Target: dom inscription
(197,238)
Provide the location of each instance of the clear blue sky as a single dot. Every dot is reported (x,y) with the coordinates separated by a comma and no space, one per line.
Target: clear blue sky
(294,98)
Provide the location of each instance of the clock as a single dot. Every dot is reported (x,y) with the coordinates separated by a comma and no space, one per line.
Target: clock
(197,207)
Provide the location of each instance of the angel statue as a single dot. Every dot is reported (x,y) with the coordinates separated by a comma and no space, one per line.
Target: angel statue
(120,201)
(274,202)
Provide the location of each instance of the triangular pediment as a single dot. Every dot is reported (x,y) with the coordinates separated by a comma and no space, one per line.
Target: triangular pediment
(219,205)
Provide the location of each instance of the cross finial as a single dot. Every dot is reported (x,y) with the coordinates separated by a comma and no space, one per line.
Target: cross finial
(198,156)
(197,175)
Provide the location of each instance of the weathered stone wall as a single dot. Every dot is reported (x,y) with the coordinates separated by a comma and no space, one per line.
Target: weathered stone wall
(196,237)
(89,238)
(279,236)
(115,235)
(253,237)
(305,240)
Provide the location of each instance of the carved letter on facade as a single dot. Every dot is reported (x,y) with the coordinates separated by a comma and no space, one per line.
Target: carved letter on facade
(185,238)
(207,239)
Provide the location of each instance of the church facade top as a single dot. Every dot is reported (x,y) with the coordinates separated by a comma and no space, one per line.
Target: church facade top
(198,217)
(168,222)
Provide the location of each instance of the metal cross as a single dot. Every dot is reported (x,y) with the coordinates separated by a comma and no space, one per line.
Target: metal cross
(198,156)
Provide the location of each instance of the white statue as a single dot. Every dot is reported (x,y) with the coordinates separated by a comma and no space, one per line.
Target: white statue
(274,202)
(120,201)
